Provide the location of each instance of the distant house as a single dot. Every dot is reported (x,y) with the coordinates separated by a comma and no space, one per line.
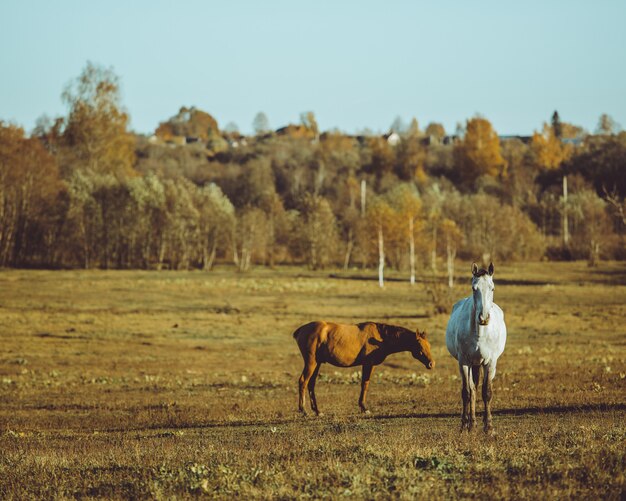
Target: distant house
(296,131)
(523,139)
(431,140)
(576,141)
(450,139)
(393,138)
(177,140)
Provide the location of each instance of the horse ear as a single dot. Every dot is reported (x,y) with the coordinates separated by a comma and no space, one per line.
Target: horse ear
(474,269)
(420,334)
(490,269)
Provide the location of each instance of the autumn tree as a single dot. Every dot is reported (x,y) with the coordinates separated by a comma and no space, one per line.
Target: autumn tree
(436,130)
(478,154)
(29,185)
(410,160)
(96,138)
(378,156)
(548,149)
(188,122)
(309,121)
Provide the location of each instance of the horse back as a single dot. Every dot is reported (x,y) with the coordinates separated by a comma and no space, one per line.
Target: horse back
(338,344)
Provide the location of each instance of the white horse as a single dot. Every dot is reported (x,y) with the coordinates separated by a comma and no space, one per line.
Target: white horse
(475,336)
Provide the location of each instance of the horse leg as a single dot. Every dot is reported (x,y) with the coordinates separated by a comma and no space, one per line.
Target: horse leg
(473,388)
(489,374)
(365,382)
(465,395)
(307,372)
(312,390)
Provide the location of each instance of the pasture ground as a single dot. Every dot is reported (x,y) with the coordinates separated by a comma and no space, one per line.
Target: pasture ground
(119,384)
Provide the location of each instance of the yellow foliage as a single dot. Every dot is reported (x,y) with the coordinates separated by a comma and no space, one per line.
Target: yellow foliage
(549,151)
(479,152)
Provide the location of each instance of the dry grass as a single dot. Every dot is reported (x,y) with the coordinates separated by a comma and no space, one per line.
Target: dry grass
(147,384)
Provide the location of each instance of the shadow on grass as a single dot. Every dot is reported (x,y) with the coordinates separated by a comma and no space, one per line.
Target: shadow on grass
(524,411)
(610,277)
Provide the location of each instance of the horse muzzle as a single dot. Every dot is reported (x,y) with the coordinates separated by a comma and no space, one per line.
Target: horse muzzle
(484,321)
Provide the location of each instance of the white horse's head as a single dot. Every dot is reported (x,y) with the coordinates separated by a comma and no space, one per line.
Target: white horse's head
(482,290)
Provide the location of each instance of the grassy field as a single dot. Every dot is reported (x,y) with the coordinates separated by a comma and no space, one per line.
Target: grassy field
(183,384)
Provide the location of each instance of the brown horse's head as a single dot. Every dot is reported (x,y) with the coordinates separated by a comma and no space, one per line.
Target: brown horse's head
(421,350)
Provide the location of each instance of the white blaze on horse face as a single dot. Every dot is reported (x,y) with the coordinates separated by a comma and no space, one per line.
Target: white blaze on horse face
(482,288)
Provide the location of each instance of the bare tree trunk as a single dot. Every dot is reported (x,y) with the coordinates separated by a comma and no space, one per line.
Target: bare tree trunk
(451,251)
(363,196)
(594,253)
(381,256)
(433,254)
(162,248)
(205,258)
(346,260)
(246,255)
(235,255)
(272,240)
(212,256)
(85,245)
(412,250)
(565,220)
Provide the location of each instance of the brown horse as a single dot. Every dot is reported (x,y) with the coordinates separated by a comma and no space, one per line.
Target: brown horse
(341,345)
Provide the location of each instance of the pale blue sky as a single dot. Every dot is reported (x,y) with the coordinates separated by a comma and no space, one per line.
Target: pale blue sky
(356,64)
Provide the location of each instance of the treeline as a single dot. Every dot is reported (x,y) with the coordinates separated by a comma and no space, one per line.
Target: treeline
(83,191)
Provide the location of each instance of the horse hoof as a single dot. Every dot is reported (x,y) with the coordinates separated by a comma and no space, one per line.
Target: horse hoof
(367,412)
(320,414)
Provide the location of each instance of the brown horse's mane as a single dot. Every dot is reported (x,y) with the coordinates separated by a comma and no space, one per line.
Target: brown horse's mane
(392,332)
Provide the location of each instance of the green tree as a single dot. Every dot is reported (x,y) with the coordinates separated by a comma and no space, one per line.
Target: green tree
(382,221)
(319,231)
(216,220)
(557,127)
(261,124)
(606,125)
(408,207)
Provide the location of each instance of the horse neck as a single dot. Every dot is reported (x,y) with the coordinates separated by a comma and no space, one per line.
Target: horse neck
(473,324)
(395,339)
